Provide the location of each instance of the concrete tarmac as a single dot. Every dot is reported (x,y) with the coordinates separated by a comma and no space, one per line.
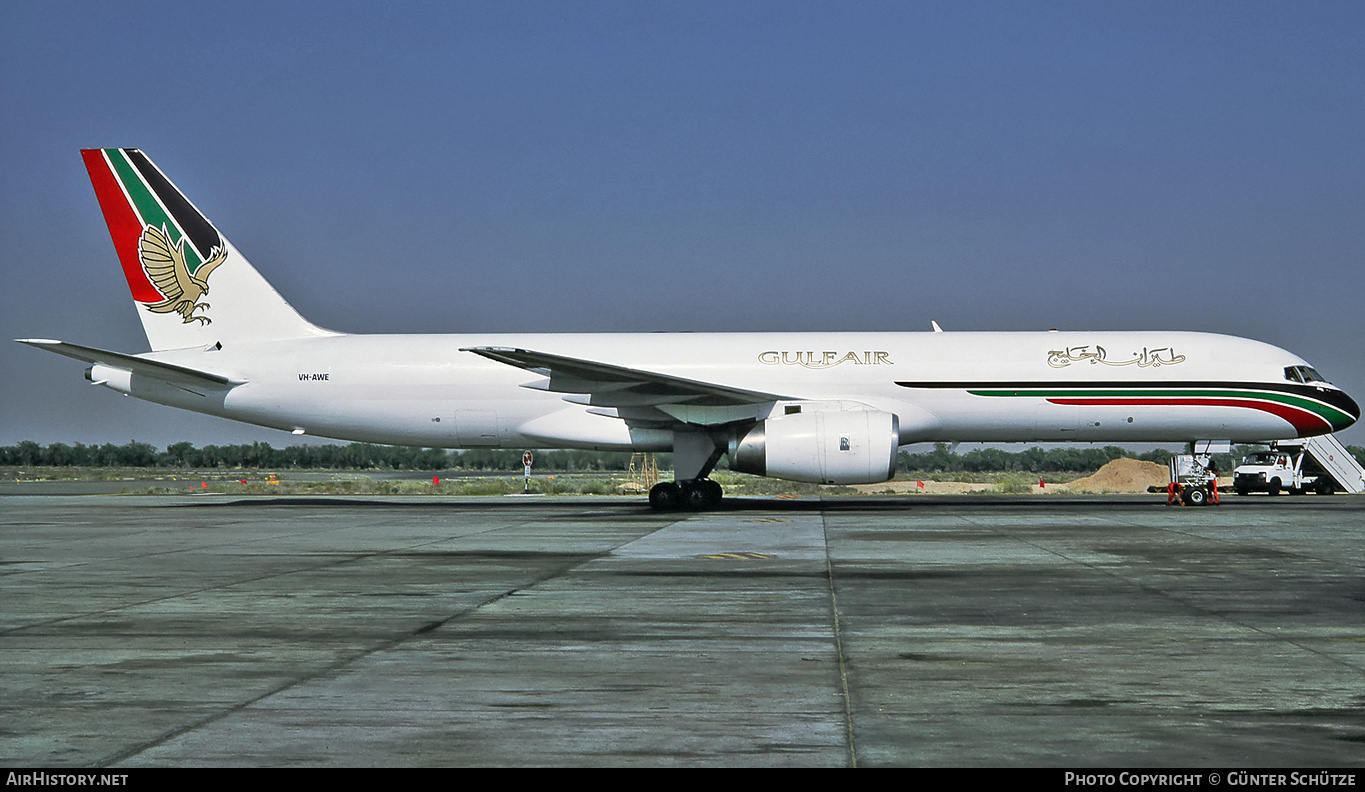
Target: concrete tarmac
(954,631)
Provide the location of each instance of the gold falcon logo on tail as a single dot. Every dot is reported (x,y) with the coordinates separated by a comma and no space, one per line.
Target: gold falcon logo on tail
(165,266)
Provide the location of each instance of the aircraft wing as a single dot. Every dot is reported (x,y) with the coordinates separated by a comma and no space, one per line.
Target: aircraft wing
(607,385)
(168,372)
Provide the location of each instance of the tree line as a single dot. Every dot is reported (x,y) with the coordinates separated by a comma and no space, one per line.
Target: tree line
(368,456)
(357,456)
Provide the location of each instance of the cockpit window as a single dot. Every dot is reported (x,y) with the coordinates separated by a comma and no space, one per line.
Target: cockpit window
(1302,374)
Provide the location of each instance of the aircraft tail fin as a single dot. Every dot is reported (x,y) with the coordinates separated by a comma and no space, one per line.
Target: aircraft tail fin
(192,287)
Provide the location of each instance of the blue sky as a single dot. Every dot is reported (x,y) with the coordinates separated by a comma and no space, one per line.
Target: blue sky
(580,166)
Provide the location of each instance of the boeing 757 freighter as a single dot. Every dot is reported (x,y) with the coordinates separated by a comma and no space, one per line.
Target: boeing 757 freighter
(814,407)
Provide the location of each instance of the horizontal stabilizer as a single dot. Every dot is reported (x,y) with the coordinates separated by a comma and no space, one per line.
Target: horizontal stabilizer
(168,372)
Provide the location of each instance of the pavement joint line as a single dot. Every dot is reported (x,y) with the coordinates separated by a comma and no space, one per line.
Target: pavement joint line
(839,645)
(332,668)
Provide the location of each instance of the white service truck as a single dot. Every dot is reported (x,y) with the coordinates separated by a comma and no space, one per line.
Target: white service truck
(1284,468)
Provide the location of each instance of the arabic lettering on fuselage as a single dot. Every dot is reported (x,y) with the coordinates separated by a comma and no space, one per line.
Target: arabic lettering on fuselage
(1161,356)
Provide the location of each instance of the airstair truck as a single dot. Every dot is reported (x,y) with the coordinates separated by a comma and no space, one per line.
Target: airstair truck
(1317,464)
(1346,473)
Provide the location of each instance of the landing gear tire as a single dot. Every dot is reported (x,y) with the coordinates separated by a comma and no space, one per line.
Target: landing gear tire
(701,494)
(665,496)
(694,498)
(1196,496)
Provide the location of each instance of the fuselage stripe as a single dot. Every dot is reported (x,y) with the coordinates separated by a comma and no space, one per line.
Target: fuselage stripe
(1329,413)
(1301,419)
(1288,400)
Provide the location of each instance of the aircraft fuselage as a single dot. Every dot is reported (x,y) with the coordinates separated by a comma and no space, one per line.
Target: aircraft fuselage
(961,387)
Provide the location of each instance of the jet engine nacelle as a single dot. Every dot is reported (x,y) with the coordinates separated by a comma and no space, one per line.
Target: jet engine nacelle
(112,378)
(821,446)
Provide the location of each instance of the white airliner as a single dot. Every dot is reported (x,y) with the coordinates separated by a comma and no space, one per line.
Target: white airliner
(815,407)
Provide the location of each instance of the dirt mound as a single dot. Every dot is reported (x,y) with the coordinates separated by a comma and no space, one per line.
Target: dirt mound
(1123,475)
(930,487)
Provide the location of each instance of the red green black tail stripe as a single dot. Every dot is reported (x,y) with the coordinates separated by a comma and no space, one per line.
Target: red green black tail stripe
(134,194)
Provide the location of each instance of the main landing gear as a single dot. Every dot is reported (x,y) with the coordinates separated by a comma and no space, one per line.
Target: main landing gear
(695,454)
(689,494)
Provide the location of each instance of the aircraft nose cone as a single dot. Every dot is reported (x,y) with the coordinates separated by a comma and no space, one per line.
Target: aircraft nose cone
(1349,405)
(1342,410)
